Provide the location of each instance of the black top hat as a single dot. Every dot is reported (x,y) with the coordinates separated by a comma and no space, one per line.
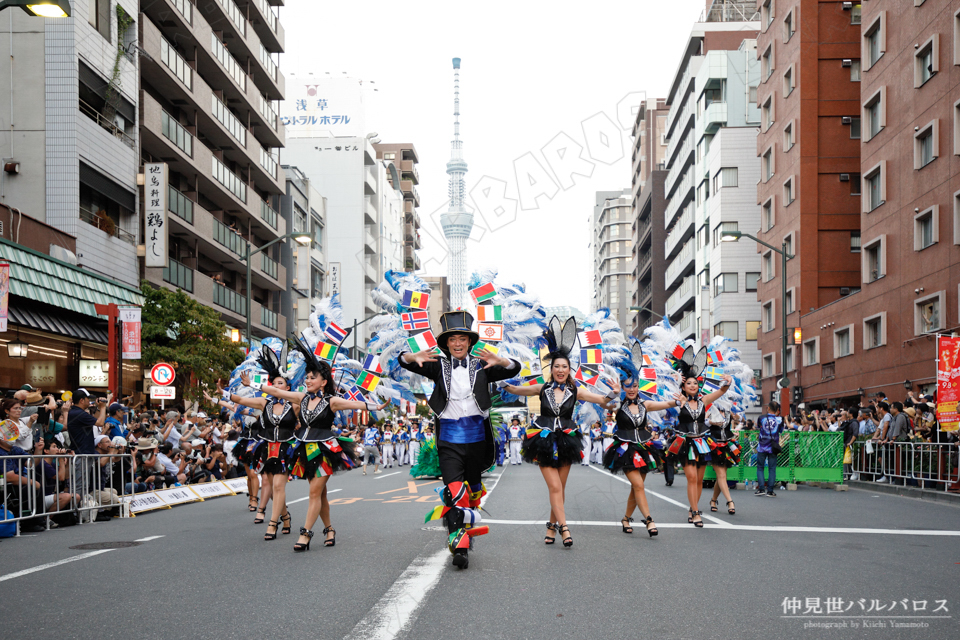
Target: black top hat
(453,322)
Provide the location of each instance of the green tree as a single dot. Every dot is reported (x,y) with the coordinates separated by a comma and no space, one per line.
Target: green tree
(191,337)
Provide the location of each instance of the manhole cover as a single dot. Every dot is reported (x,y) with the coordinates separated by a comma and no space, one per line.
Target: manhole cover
(433,528)
(106,545)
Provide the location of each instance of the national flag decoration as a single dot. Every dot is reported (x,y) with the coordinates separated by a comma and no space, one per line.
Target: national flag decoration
(648,373)
(372,363)
(649,388)
(714,357)
(647,362)
(587,376)
(713,373)
(415,299)
(709,386)
(532,381)
(591,356)
(483,346)
(336,333)
(491,332)
(483,293)
(677,351)
(258,380)
(368,381)
(589,338)
(354,394)
(422,342)
(531,368)
(326,351)
(489,313)
(415,320)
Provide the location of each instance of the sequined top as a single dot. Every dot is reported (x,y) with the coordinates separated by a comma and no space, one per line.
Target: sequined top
(277,427)
(692,421)
(554,415)
(632,427)
(315,424)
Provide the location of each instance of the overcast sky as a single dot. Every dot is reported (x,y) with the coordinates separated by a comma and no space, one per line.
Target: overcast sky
(531,71)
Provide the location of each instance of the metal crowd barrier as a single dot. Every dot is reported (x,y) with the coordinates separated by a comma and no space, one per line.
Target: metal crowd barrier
(814,456)
(926,465)
(86,489)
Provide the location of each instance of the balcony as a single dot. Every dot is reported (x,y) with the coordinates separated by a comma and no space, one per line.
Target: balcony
(684,127)
(178,275)
(106,224)
(229,299)
(646,294)
(685,326)
(680,266)
(180,206)
(682,95)
(369,211)
(107,125)
(714,117)
(370,272)
(409,189)
(681,196)
(682,298)
(268,318)
(370,180)
(409,168)
(645,261)
(267,25)
(685,158)
(228,238)
(682,230)
(369,243)
(269,266)
(268,215)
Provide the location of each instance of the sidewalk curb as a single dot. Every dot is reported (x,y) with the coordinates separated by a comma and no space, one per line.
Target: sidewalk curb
(906,492)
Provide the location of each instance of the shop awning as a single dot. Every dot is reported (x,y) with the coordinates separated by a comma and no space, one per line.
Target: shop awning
(39,277)
(44,318)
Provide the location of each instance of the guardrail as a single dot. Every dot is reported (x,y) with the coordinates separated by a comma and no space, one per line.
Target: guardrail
(927,465)
(106,124)
(106,224)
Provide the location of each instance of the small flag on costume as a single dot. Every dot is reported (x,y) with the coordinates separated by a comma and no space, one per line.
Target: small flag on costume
(714,357)
(587,376)
(648,373)
(709,386)
(326,351)
(481,346)
(353,393)
(531,368)
(677,351)
(714,373)
(589,338)
(591,356)
(489,313)
(415,320)
(532,381)
(491,332)
(372,363)
(483,292)
(258,380)
(422,342)
(415,299)
(336,333)
(368,381)
(647,362)
(649,388)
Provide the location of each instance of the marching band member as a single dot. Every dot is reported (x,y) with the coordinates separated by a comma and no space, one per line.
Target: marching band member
(515,437)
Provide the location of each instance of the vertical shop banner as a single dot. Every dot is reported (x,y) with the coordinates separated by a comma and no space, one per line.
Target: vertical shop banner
(4,294)
(334,277)
(948,382)
(130,336)
(155,192)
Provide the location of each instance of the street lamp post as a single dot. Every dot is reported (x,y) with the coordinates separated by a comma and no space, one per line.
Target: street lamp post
(300,237)
(355,353)
(734,236)
(647,309)
(40,8)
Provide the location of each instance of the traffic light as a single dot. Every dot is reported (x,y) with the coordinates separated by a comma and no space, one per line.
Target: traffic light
(797,394)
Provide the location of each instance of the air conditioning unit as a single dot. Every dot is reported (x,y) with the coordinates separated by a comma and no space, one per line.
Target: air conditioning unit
(844,177)
(844,291)
(846,62)
(846,119)
(847,6)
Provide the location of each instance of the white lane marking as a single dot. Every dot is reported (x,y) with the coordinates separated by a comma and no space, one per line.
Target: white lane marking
(329,491)
(387,476)
(663,497)
(50,565)
(397,608)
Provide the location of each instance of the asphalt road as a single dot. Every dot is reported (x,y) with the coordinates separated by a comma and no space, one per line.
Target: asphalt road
(210,575)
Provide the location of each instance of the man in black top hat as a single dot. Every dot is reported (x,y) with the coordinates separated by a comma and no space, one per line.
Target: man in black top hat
(465,438)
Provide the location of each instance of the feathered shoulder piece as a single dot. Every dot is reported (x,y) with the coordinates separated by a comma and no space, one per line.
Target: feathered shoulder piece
(560,339)
(311,360)
(690,365)
(269,361)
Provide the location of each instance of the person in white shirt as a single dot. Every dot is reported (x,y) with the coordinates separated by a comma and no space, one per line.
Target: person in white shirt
(596,451)
(388,438)
(515,436)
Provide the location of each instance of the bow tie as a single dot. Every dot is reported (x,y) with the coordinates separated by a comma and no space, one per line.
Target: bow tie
(628,401)
(312,396)
(460,363)
(558,385)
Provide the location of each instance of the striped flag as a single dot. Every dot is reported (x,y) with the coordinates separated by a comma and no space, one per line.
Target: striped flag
(326,351)
(490,331)
(590,338)
(714,357)
(422,342)
(336,333)
(677,351)
(415,299)
(368,381)
(709,386)
(591,356)
(483,292)
(587,376)
(483,346)
(489,313)
(532,381)
(649,388)
(415,320)
(372,363)
(647,362)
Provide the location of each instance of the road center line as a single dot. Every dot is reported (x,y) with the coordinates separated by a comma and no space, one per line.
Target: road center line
(329,491)
(387,476)
(50,565)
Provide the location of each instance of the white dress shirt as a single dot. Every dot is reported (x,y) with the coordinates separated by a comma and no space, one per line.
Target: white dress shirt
(460,400)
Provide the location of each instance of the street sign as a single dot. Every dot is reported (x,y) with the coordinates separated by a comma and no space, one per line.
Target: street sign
(162,374)
(163,393)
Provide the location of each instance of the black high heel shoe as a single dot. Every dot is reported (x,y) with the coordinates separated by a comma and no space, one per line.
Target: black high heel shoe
(697,523)
(647,522)
(252,504)
(625,524)
(713,505)
(308,535)
(690,517)
(272,536)
(549,539)
(257,519)
(286,523)
(568,540)
(732,510)
(332,541)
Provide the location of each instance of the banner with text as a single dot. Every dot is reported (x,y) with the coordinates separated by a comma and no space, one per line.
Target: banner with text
(948,382)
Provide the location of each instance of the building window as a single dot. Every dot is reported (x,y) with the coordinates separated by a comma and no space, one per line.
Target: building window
(751,279)
(842,343)
(874,39)
(729,330)
(725,283)
(876,189)
(721,229)
(874,112)
(788,29)
(789,82)
(767,13)
(855,184)
(788,246)
(768,269)
(789,301)
(956,37)
(874,260)
(767,213)
(768,365)
(788,195)
(854,71)
(788,136)
(811,352)
(790,359)
(855,128)
(956,218)
(99,17)
(769,316)
(766,113)
(926,228)
(389,155)
(729,177)
(874,331)
(752,98)
(854,242)
(768,168)
(926,61)
(766,63)
(753,329)
(317,234)
(927,314)
(956,128)
(926,144)
(855,13)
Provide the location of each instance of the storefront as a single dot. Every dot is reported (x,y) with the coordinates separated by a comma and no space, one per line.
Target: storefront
(55,340)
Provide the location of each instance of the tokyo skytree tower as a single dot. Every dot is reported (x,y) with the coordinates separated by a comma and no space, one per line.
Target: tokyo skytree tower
(457,222)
